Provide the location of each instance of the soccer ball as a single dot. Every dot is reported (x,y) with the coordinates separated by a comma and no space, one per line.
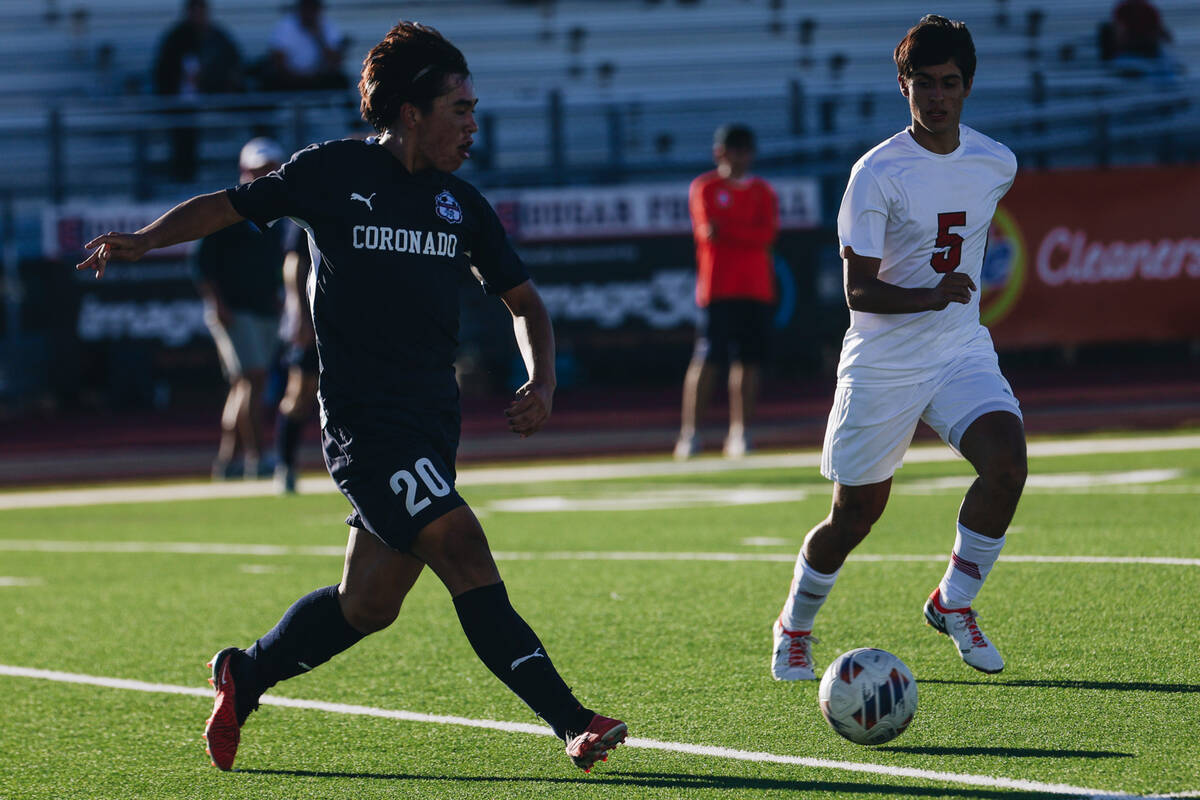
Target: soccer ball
(868,696)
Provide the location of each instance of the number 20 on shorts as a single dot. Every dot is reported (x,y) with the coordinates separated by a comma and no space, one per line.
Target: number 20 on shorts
(403,481)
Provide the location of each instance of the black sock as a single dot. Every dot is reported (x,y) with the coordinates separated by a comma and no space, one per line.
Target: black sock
(287,437)
(507,646)
(310,633)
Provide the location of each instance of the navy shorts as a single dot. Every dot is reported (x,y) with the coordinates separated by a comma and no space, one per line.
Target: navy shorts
(303,357)
(734,330)
(398,474)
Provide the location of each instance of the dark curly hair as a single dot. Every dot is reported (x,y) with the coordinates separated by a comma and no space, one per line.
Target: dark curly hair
(936,40)
(410,65)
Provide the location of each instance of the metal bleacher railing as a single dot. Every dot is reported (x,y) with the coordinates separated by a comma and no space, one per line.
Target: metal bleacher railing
(122,147)
(590,91)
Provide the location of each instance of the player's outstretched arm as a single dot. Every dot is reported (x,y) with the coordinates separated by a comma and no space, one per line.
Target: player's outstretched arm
(865,292)
(531,406)
(191,219)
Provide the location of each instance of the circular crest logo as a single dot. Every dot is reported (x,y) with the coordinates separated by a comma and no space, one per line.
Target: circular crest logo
(1003,274)
(447,207)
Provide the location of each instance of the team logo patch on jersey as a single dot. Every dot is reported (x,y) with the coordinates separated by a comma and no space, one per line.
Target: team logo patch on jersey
(447,207)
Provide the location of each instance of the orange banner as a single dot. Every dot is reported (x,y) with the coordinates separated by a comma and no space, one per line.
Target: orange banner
(1089,256)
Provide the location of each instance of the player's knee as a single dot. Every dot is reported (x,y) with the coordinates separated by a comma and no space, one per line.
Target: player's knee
(852,523)
(1008,472)
(368,614)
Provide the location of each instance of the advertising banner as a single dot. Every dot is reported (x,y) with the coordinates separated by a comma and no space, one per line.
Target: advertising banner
(138,335)
(1094,256)
(541,215)
(616,267)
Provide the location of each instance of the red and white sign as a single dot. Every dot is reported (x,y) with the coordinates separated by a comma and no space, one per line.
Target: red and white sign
(1095,256)
(67,228)
(538,215)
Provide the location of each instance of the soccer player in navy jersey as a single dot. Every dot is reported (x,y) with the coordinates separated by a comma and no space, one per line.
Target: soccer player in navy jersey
(392,233)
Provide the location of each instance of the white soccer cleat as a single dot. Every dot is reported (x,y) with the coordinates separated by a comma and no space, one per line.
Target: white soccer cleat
(687,447)
(960,625)
(792,657)
(736,446)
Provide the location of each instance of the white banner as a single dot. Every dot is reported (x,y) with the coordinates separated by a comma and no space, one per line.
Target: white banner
(633,210)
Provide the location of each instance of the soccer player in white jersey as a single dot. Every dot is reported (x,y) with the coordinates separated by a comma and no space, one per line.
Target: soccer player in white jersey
(913,229)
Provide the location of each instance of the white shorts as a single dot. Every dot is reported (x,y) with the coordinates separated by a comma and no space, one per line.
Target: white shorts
(870,427)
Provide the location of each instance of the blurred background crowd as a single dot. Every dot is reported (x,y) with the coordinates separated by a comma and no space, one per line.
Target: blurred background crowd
(594,116)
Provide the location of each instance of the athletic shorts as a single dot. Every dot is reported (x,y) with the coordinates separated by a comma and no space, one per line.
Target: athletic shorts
(246,345)
(397,474)
(871,427)
(734,330)
(303,357)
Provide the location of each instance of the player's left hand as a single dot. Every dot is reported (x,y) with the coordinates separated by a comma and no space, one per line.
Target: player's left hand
(113,246)
(530,408)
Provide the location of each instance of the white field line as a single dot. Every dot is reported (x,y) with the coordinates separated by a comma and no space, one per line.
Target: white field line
(9,581)
(268,551)
(522,727)
(480,476)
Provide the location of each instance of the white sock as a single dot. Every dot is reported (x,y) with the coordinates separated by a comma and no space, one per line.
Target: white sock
(809,590)
(970,562)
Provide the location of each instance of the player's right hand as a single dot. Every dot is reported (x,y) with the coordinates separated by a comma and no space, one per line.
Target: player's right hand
(113,246)
(954,287)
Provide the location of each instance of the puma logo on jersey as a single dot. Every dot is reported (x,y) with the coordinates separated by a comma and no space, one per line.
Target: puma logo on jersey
(365,200)
(535,654)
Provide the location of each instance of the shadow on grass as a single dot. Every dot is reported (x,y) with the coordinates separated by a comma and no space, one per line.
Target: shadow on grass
(659,780)
(1008,752)
(1119,686)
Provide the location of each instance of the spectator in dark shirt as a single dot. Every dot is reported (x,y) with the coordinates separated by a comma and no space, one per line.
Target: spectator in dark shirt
(1132,40)
(237,272)
(1139,29)
(194,57)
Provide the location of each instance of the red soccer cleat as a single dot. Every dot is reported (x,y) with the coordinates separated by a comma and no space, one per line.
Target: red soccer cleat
(222,731)
(601,735)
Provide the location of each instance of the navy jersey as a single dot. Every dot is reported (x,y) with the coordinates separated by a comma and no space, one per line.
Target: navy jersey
(390,251)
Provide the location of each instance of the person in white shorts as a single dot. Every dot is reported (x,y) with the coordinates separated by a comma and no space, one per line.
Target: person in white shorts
(238,274)
(913,230)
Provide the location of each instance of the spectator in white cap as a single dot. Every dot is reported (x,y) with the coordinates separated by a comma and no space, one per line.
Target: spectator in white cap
(259,156)
(238,274)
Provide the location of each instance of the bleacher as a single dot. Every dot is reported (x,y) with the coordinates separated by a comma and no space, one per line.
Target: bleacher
(579,90)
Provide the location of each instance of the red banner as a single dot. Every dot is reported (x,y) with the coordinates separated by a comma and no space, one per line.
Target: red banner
(1095,256)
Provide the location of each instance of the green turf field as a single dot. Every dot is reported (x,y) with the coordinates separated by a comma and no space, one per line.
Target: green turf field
(1101,691)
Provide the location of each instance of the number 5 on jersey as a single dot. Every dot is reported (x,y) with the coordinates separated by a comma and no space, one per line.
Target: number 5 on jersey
(948,246)
(403,481)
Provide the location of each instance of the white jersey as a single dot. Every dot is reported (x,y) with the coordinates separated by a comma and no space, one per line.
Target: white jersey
(922,214)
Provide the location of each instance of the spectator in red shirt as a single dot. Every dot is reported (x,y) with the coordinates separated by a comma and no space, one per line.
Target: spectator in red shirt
(735,218)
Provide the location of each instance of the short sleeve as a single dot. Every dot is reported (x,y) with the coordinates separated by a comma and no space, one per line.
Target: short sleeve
(294,190)
(498,266)
(862,218)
